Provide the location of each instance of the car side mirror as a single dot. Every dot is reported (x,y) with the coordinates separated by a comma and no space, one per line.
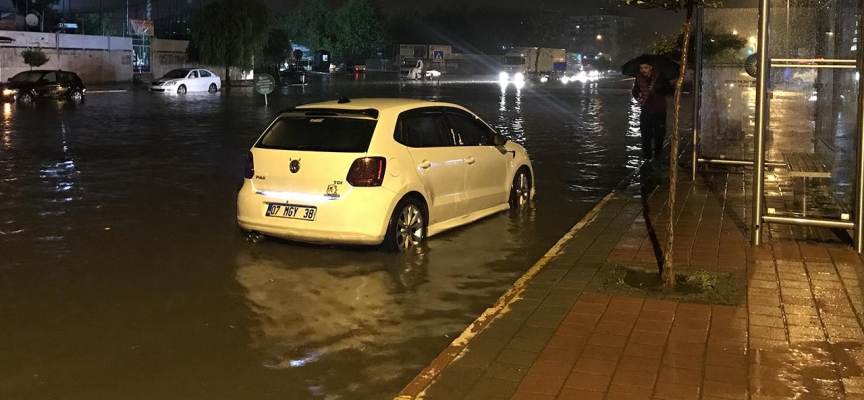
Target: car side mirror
(499,140)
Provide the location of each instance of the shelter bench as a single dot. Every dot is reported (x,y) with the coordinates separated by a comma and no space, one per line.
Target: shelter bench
(804,165)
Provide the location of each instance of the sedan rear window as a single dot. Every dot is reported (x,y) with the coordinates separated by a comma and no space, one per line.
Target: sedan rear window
(326,134)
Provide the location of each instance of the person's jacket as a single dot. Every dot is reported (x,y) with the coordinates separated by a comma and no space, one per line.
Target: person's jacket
(657,88)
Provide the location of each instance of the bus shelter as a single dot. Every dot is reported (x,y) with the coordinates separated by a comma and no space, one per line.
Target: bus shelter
(794,109)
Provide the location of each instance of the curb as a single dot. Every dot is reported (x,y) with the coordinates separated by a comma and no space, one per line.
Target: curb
(417,387)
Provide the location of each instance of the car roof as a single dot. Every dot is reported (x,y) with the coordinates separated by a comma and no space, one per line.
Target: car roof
(42,71)
(385,105)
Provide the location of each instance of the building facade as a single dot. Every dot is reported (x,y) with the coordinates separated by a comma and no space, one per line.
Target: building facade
(601,33)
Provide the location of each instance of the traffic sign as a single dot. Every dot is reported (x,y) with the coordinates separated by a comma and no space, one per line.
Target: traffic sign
(264,83)
(438,55)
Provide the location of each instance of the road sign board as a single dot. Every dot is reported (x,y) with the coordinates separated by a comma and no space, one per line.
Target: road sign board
(438,55)
(264,83)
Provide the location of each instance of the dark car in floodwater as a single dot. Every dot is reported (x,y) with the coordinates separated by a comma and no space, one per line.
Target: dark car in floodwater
(29,86)
(294,74)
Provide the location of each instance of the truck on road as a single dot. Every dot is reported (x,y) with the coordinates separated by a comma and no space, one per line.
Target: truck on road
(534,63)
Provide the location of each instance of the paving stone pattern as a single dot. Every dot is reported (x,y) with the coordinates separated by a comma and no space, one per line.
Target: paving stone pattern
(798,336)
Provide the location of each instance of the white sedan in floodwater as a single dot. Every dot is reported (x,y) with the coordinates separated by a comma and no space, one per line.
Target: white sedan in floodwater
(184,80)
(386,172)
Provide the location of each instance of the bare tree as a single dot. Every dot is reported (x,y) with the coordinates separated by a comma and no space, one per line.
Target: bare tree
(668,268)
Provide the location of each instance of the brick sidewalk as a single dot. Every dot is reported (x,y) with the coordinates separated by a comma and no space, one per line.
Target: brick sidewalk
(799,335)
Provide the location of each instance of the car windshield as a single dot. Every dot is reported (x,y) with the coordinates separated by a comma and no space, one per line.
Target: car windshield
(27,77)
(176,74)
(314,133)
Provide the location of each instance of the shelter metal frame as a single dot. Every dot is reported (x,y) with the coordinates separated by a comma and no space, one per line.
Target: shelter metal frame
(762,96)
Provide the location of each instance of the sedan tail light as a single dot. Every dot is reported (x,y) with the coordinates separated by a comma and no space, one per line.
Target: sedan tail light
(367,171)
(250,166)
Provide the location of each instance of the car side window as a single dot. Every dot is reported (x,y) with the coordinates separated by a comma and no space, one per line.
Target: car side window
(204,74)
(193,74)
(469,131)
(422,129)
(50,77)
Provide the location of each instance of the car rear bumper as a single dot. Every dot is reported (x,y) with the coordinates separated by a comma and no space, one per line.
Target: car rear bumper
(359,216)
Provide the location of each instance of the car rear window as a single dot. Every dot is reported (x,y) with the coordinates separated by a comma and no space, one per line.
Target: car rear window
(316,133)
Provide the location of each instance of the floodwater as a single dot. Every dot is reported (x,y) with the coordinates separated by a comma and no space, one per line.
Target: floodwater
(123,274)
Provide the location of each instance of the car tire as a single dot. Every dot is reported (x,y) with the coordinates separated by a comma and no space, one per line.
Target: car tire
(407,226)
(76,96)
(181,89)
(213,88)
(25,98)
(520,189)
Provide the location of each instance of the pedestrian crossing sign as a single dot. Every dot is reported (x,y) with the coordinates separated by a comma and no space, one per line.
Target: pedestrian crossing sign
(438,55)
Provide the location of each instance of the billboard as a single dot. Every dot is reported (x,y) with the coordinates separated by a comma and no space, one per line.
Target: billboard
(141,27)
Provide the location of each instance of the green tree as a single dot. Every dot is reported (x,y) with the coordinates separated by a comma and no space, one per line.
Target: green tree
(277,50)
(230,33)
(359,28)
(309,24)
(667,267)
(93,24)
(34,57)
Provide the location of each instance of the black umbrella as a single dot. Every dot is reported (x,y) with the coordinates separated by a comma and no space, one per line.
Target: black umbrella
(665,65)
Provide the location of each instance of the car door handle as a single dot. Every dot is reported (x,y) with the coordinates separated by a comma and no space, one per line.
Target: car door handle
(470,160)
(425,164)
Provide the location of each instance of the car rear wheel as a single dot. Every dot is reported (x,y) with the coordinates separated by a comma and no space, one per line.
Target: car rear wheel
(181,89)
(520,190)
(212,88)
(407,226)
(76,96)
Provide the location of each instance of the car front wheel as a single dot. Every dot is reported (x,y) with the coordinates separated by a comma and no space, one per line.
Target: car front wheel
(407,226)
(520,190)
(181,89)
(76,96)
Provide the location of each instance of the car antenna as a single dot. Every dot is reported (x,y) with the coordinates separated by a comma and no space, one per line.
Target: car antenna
(343,100)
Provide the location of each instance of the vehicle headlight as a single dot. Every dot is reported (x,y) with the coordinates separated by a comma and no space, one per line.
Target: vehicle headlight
(519,77)
(9,92)
(170,83)
(503,76)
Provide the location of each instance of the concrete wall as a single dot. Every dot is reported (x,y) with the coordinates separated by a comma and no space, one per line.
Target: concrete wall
(96,59)
(171,54)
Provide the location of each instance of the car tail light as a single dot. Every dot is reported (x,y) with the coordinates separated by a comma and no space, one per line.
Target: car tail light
(367,171)
(250,166)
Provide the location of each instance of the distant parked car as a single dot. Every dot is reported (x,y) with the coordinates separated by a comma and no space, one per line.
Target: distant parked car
(28,86)
(386,172)
(184,80)
(294,74)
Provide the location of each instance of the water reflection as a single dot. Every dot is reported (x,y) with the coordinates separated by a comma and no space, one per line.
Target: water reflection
(510,121)
(7,130)
(319,308)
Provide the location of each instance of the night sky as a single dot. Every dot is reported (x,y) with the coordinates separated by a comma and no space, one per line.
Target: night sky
(651,21)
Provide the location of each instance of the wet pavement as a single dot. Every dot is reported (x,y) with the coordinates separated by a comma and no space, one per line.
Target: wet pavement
(124,274)
(562,335)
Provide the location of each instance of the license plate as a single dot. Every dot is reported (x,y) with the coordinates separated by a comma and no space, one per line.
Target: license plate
(291,211)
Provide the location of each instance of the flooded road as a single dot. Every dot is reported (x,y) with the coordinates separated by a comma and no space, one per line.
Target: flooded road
(124,275)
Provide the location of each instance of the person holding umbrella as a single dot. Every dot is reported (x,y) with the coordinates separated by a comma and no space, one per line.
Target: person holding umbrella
(650,90)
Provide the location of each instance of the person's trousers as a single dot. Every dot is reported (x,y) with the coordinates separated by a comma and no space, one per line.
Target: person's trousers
(653,129)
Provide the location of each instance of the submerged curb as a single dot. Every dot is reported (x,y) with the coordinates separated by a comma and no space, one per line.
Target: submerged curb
(416,388)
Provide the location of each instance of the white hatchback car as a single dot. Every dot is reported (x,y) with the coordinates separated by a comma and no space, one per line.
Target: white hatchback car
(386,172)
(184,80)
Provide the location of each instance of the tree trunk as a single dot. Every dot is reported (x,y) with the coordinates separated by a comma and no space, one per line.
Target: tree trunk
(668,274)
(227,75)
